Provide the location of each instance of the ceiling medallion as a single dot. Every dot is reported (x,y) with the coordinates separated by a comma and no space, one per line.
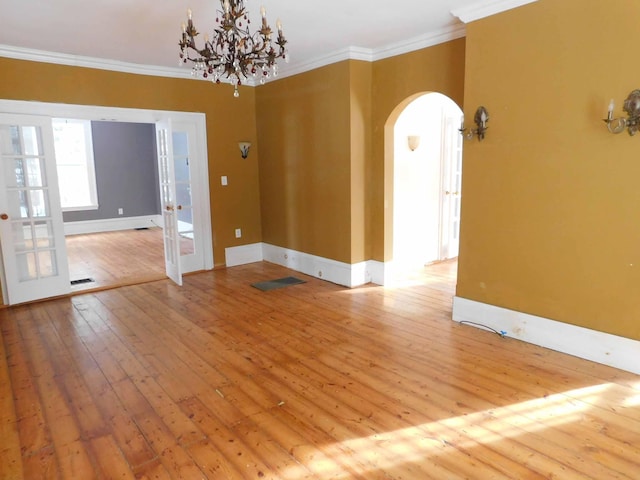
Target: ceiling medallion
(234,53)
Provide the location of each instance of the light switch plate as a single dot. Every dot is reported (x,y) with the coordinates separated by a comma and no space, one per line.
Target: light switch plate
(223,180)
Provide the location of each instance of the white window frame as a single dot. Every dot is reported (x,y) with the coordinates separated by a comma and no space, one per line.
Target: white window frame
(90,164)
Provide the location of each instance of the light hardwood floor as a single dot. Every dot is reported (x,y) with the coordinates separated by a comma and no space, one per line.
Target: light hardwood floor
(116,258)
(220,380)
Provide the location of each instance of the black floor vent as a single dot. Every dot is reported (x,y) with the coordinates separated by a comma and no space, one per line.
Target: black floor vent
(80,281)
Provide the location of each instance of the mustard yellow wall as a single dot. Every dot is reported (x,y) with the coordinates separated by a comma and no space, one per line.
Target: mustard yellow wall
(229,120)
(395,80)
(361,108)
(305,165)
(322,170)
(550,198)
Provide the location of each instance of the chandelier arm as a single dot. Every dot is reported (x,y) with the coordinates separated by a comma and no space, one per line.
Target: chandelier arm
(233,51)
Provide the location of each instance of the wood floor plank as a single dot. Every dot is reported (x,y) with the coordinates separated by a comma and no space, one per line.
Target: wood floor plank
(217,379)
(11,464)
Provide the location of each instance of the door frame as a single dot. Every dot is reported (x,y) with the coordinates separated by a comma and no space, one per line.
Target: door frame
(133,115)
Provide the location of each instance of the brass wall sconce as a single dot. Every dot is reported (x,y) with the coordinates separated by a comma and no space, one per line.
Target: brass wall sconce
(632,123)
(244,148)
(480,119)
(413,141)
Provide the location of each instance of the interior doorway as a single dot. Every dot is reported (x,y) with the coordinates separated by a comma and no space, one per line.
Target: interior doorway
(189,198)
(427,176)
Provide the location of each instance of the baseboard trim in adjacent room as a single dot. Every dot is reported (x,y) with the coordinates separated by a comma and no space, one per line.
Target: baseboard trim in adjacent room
(112,224)
(600,347)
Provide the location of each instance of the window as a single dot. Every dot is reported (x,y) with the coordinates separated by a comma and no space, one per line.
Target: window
(74,161)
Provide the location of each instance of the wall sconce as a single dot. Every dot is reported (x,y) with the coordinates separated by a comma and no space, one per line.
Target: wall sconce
(413,141)
(632,123)
(480,118)
(244,148)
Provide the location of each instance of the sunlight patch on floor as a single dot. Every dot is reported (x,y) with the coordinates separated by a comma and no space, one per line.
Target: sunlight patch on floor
(632,401)
(413,444)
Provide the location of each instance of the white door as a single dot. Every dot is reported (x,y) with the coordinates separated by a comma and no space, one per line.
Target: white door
(169,205)
(189,197)
(451,189)
(31,226)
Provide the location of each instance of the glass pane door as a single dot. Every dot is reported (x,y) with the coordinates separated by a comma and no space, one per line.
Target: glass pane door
(31,227)
(171,233)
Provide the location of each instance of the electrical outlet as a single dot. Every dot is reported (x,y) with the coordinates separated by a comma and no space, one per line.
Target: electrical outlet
(238,232)
(120,211)
(223,180)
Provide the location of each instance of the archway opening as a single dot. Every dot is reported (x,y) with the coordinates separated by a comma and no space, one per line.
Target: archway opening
(427,167)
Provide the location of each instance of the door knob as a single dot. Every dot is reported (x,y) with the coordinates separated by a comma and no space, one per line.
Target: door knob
(4,216)
(169,208)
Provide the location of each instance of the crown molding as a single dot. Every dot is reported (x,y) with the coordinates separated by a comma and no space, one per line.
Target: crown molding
(484,9)
(372,55)
(422,41)
(33,55)
(285,70)
(349,53)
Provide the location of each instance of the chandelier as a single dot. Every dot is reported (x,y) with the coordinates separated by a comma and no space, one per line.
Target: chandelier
(233,53)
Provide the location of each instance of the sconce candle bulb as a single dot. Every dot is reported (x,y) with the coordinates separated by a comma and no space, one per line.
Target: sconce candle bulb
(632,108)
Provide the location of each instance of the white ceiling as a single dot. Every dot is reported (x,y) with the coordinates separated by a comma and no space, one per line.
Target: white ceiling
(146,32)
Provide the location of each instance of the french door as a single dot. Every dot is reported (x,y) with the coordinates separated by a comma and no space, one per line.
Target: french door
(34,257)
(31,226)
(168,200)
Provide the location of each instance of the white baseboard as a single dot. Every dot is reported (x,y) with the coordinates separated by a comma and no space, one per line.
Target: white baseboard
(243,254)
(376,271)
(600,347)
(319,267)
(112,224)
(324,268)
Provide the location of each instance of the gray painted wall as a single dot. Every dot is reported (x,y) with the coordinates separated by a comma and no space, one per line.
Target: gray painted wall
(126,171)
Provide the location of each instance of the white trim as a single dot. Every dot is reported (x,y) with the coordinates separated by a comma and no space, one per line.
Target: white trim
(319,267)
(33,55)
(350,53)
(418,43)
(348,275)
(243,254)
(98,113)
(376,271)
(484,8)
(134,115)
(112,224)
(600,347)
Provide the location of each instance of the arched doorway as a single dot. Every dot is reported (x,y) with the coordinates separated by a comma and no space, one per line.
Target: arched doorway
(427,167)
